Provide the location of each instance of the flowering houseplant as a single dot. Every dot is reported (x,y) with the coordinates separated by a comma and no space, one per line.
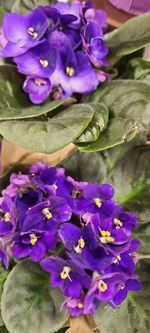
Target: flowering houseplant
(73,230)
(57,49)
(63,80)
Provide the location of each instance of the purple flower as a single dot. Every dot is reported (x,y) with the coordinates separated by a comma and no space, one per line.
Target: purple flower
(37,62)
(90,14)
(47,215)
(124,220)
(114,240)
(72,73)
(38,89)
(4,258)
(96,199)
(52,182)
(66,275)
(27,32)
(76,306)
(33,244)
(111,288)
(17,181)
(7,216)
(79,245)
(94,45)
(70,14)
(131,284)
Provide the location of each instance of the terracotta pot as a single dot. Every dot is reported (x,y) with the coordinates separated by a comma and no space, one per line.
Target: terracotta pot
(12,155)
(135,7)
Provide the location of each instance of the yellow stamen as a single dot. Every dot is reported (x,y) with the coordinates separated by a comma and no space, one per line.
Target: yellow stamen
(7,217)
(47,213)
(33,239)
(44,63)
(105,233)
(65,273)
(106,237)
(70,71)
(80,246)
(98,202)
(55,186)
(32,33)
(122,286)
(38,83)
(102,286)
(80,305)
(118,258)
(118,223)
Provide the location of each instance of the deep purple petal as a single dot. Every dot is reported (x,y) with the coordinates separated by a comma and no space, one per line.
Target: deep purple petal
(133,285)
(120,296)
(38,251)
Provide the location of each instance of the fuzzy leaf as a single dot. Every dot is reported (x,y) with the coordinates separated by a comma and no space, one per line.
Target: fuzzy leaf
(131,36)
(97,124)
(50,135)
(29,304)
(128,102)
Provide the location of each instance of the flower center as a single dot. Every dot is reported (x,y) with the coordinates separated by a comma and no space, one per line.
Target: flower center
(98,202)
(55,186)
(38,83)
(102,286)
(106,237)
(80,246)
(65,273)
(7,217)
(70,71)
(47,213)
(118,223)
(118,258)
(44,63)
(80,305)
(122,286)
(32,33)
(33,239)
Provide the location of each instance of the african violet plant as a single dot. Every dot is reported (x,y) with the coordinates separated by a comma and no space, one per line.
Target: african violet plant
(63,54)
(73,230)
(64,79)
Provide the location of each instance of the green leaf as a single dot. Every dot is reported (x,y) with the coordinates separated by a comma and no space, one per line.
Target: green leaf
(119,130)
(29,304)
(133,315)
(128,102)
(3,329)
(23,6)
(2,13)
(131,36)
(88,167)
(14,102)
(50,135)
(97,124)
(3,276)
(139,69)
(131,180)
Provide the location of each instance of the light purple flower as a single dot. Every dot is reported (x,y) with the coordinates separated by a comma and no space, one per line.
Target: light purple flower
(37,88)
(23,33)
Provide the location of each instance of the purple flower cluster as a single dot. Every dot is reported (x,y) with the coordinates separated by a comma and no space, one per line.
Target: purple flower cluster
(77,232)
(58,48)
